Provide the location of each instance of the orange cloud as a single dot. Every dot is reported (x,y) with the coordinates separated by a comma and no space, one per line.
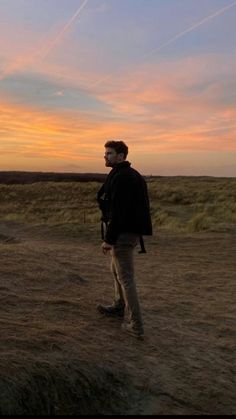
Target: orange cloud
(157,109)
(174,105)
(72,136)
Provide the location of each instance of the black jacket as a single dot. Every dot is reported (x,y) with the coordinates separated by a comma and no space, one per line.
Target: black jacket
(124,202)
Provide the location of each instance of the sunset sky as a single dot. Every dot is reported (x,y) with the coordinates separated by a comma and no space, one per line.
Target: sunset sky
(158,74)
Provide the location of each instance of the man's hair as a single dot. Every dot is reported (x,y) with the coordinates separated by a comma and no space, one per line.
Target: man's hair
(118,146)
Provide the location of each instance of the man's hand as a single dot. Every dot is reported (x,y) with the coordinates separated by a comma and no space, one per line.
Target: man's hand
(106,248)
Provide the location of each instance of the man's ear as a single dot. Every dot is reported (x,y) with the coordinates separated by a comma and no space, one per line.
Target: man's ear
(122,156)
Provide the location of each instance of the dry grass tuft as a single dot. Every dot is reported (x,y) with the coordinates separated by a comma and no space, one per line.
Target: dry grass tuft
(57,384)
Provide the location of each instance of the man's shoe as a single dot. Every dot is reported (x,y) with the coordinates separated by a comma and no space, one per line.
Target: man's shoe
(131,330)
(111,311)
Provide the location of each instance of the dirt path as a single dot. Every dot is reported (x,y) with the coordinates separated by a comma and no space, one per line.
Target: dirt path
(53,277)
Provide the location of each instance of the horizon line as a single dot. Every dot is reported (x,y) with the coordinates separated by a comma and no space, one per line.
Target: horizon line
(105,174)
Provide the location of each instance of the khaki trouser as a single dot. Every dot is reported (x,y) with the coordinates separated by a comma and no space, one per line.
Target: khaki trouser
(122,267)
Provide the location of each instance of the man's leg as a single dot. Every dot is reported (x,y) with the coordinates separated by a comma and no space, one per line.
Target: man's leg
(119,300)
(117,308)
(123,261)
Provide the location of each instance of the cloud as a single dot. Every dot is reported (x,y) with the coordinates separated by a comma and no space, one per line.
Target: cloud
(173,107)
(174,96)
(59,93)
(50,94)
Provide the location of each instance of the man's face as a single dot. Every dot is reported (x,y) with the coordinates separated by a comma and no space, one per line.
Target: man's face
(112,158)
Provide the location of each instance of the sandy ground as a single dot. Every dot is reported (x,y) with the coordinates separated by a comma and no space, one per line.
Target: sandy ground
(52,278)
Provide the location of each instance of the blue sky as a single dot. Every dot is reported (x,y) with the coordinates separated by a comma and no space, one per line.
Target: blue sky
(159,74)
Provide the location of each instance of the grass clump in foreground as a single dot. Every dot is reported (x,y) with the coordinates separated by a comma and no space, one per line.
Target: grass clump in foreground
(59,385)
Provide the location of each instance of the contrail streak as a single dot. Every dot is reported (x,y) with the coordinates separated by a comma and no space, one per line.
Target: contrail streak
(64,30)
(192,28)
(21,62)
(176,37)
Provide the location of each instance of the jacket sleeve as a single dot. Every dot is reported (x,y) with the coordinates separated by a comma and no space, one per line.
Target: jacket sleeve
(121,197)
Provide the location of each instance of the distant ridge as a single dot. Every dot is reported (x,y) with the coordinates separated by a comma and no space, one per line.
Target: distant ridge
(17,177)
(22,177)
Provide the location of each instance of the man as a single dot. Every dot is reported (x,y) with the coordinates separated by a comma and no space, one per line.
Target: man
(124,202)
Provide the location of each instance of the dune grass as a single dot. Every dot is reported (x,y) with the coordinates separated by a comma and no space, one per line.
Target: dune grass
(177,204)
(193,204)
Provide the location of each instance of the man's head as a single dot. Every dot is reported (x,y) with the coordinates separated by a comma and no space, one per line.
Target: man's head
(115,153)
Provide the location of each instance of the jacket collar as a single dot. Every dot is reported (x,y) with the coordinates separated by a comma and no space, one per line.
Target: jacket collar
(122,165)
(115,169)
